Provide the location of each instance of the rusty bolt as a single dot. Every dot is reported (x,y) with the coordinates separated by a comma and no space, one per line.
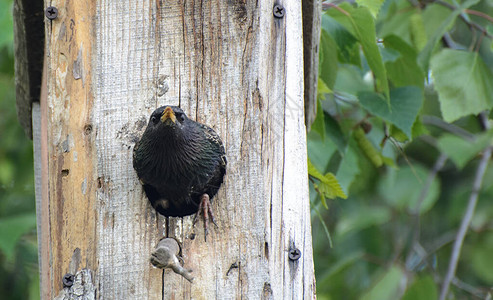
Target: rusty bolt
(51,12)
(278,11)
(68,280)
(294,254)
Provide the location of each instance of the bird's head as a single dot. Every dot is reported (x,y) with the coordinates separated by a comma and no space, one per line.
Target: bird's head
(168,117)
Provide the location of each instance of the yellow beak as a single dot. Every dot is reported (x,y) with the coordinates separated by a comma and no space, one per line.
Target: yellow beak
(168,114)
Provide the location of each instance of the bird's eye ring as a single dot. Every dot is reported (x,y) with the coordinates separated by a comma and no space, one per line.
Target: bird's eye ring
(154,119)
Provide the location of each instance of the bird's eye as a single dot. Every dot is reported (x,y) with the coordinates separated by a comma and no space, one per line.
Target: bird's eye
(180,116)
(154,119)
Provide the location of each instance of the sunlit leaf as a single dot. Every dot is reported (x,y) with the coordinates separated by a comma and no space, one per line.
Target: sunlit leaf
(328,187)
(464,83)
(322,88)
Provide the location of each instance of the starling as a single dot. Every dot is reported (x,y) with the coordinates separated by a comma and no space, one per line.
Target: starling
(180,163)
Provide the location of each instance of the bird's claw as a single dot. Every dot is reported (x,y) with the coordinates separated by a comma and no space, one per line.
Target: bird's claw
(206,208)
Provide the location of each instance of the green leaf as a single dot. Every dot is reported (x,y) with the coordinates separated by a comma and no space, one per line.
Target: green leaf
(423,288)
(327,68)
(461,151)
(367,147)
(405,103)
(464,83)
(418,32)
(389,55)
(322,88)
(318,125)
(359,22)
(314,172)
(12,228)
(347,44)
(405,70)
(424,56)
(387,287)
(402,188)
(372,5)
(328,187)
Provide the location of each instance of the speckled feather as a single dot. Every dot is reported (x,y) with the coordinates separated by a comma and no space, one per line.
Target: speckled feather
(179,162)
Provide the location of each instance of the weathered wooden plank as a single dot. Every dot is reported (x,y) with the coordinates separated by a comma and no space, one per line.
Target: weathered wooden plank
(312,18)
(29,50)
(229,64)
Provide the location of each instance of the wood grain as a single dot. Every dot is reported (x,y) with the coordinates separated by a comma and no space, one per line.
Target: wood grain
(229,64)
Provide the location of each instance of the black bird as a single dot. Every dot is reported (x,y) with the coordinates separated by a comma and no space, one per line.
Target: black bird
(180,163)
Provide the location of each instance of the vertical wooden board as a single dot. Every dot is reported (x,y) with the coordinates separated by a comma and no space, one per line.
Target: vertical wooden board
(125,64)
(70,167)
(229,64)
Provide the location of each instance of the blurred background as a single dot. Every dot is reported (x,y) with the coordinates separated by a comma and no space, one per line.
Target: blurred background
(19,278)
(388,237)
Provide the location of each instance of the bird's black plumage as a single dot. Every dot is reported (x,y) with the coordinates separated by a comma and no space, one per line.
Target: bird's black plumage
(178,161)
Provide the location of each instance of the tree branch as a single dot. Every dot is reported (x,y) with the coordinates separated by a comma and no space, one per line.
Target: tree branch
(466,220)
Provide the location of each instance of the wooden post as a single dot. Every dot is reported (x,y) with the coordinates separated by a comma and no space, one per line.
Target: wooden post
(234,65)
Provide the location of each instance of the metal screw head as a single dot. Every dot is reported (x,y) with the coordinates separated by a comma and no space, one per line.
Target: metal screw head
(294,254)
(51,12)
(68,280)
(278,11)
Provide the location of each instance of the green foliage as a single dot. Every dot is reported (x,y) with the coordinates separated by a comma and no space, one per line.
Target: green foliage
(359,22)
(406,84)
(405,104)
(464,83)
(328,186)
(460,150)
(18,249)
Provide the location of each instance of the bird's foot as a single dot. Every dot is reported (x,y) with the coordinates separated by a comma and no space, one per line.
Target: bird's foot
(205,207)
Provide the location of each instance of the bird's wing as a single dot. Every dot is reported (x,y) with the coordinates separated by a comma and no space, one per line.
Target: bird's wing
(212,136)
(135,159)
